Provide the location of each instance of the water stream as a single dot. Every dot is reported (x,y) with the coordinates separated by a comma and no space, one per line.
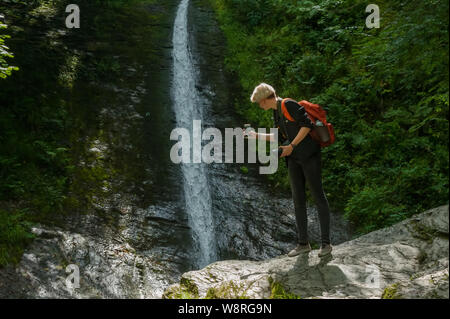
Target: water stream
(188,107)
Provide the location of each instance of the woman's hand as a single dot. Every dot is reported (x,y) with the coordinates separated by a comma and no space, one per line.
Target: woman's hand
(287,150)
(251,135)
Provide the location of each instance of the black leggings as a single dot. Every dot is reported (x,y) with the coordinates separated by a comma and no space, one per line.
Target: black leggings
(311,171)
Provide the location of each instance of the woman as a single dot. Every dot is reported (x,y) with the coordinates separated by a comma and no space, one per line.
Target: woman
(303,159)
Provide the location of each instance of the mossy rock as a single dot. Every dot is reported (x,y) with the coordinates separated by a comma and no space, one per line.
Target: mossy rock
(423,232)
(279,292)
(391,292)
(229,290)
(189,286)
(185,290)
(179,292)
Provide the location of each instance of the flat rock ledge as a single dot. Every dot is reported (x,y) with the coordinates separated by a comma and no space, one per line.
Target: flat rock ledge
(406,260)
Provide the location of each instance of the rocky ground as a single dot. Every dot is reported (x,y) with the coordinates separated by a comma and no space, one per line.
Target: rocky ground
(406,260)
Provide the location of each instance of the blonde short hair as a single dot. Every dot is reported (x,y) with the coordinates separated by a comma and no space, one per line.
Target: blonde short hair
(261,92)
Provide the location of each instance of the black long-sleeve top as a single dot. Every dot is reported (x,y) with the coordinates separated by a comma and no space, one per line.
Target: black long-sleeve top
(307,146)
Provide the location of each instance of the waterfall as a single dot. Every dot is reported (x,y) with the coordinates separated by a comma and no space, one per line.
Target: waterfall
(188,107)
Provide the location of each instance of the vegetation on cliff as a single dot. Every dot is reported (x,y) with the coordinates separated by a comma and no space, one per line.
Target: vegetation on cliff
(52,101)
(385,90)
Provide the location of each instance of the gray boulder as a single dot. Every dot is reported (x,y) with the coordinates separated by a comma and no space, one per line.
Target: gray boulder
(406,260)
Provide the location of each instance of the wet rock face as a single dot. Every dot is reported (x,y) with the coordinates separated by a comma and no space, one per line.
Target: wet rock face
(109,263)
(407,260)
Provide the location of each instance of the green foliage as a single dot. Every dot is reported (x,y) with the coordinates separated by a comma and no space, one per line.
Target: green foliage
(244,169)
(35,163)
(32,161)
(49,109)
(278,292)
(186,290)
(391,292)
(228,290)
(14,235)
(385,90)
(5,69)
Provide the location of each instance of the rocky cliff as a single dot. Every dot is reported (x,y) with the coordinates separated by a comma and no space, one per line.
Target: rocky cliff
(407,260)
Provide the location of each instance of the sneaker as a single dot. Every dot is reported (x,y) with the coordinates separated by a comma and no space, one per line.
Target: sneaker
(299,250)
(325,250)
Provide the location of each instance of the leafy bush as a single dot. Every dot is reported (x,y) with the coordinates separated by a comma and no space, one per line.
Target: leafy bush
(385,90)
(14,235)
(5,69)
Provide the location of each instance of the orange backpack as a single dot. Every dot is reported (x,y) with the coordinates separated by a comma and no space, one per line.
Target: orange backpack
(322,134)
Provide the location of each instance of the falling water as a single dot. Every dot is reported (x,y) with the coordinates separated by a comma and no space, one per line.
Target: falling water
(188,107)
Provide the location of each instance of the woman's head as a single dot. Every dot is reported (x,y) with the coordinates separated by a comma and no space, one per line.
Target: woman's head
(265,95)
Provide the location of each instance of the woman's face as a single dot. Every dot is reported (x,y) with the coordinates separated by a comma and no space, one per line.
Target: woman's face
(264,104)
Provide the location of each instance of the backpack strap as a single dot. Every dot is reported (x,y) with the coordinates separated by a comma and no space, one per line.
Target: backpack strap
(285,111)
(283,124)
